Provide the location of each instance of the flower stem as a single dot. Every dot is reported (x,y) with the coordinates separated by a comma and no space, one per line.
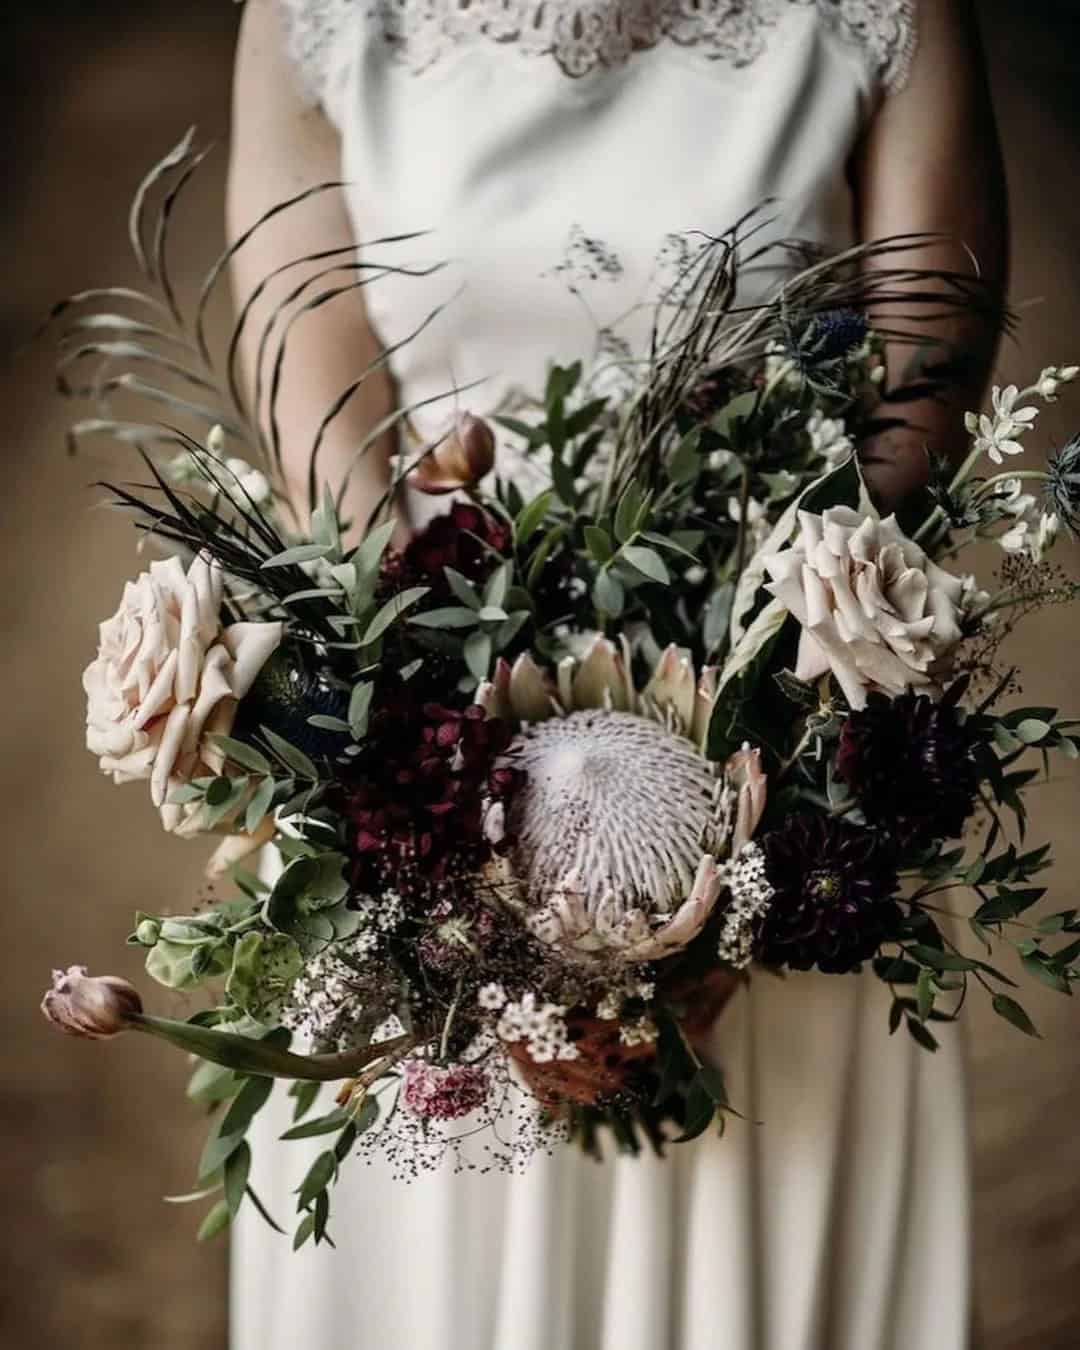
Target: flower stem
(256,1057)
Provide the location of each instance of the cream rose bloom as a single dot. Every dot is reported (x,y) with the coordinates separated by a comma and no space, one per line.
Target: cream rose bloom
(874,609)
(167,676)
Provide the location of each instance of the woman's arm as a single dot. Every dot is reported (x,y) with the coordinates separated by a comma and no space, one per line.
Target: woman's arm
(280,147)
(931,161)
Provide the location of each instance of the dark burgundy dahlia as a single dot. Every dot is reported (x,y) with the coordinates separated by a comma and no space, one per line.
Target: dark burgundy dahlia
(910,762)
(835,887)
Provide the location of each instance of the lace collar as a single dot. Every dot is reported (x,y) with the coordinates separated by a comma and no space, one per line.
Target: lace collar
(582,35)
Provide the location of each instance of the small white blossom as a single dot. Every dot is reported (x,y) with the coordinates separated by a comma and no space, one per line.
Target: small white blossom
(249,485)
(1000,434)
(1051,380)
(610,1005)
(751,896)
(638,1031)
(491,997)
(1032,531)
(541,1026)
(1045,536)
(829,438)
(755,519)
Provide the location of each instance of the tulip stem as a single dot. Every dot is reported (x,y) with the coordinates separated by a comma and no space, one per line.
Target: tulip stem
(256,1057)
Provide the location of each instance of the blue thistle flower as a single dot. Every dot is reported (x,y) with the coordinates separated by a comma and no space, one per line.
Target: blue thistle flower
(1063,484)
(819,344)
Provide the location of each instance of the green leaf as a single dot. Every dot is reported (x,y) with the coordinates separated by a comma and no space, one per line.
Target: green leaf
(1032,730)
(712,1080)
(1035,963)
(939,960)
(320,1174)
(924,994)
(246,1105)
(304,1230)
(304,1095)
(185,793)
(215,1222)
(391,612)
(370,550)
(608,594)
(243,754)
(360,709)
(210,1084)
(478,652)
(599,544)
(684,464)
(259,805)
(498,585)
(264,968)
(328,1124)
(367,1115)
(921,1035)
(216,1150)
(530,517)
(237,1169)
(626,512)
(452,617)
(648,562)
(492,614)
(327,723)
(543,552)
(700,1110)
(293,758)
(465,591)
(1012,1012)
(301,553)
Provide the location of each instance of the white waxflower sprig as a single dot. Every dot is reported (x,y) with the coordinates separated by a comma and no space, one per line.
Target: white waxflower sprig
(999,435)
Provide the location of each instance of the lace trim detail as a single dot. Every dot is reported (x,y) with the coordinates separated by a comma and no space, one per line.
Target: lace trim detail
(583,35)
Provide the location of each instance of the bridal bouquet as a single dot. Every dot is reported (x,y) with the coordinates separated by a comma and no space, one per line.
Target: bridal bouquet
(554,773)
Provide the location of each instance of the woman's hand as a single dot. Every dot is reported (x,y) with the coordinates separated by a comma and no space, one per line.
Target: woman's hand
(605,1067)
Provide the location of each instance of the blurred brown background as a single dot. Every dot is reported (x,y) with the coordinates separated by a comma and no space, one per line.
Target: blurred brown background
(91,96)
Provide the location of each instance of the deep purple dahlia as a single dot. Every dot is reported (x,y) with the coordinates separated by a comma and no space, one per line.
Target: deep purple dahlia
(835,888)
(910,762)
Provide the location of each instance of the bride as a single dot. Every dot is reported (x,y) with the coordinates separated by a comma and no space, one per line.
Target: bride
(549,147)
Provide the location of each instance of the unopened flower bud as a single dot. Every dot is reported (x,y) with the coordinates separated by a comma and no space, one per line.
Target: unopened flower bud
(93,1006)
(215,441)
(458,461)
(148,932)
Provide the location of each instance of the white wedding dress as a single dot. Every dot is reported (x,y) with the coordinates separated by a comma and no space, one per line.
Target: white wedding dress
(835,1216)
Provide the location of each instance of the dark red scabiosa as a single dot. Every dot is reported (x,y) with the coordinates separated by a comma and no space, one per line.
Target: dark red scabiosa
(423,790)
(835,887)
(910,761)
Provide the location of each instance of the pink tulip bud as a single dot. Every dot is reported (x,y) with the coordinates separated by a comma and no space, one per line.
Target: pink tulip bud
(88,1005)
(461,459)
(743,772)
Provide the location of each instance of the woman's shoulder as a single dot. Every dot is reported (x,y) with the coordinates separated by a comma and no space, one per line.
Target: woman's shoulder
(581,36)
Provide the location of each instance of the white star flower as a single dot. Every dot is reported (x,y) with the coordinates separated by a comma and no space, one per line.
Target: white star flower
(1000,434)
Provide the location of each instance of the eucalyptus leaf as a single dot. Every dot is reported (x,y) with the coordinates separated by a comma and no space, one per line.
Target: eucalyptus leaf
(647,561)
(237,1170)
(299,553)
(391,612)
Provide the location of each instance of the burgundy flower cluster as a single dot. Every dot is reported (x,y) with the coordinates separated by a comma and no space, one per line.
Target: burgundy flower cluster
(466,539)
(435,1092)
(418,810)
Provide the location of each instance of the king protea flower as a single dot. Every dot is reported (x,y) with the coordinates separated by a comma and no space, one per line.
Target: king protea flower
(618,834)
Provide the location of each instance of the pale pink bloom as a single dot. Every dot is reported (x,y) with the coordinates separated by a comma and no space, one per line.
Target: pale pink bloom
(96,1007)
